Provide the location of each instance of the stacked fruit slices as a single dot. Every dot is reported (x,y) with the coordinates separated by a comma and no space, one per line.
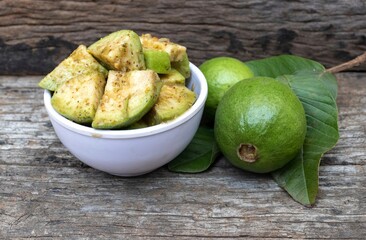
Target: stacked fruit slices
(122,81)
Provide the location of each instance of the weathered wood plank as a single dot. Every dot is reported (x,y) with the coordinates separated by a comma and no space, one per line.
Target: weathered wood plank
(58,203)
(46,193)
(36,35)
(220,203)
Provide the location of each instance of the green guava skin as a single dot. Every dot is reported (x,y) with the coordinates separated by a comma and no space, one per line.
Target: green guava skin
(221,74)
(157,60)
(260,125)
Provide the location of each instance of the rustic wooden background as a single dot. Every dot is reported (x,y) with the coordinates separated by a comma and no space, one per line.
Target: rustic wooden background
(37,34)
(46,193)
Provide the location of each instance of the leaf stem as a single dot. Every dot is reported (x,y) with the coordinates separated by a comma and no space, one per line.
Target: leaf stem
(348,65)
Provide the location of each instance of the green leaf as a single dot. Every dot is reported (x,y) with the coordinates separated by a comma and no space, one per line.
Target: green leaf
(282,65)
(317,91)
(199,155)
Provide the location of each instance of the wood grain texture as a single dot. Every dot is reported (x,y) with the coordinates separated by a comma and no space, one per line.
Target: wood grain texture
(46,193)
(36,35)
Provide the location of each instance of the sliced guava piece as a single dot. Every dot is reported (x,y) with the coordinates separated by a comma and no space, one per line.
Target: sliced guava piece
(128,96)
(78,98)
(175,51)
(172,77)
(157,60)
(182,66)
(121,50)
(79,62)
(173,101)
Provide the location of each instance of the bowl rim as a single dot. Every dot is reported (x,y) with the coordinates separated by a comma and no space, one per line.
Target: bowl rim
(132,133)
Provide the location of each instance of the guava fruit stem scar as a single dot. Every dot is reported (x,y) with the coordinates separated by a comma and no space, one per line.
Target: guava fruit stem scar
(247,152)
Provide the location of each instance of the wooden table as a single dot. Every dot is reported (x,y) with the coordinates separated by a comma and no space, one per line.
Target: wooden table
(47,193)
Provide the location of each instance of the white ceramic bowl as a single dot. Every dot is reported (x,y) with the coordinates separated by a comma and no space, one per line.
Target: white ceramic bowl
(132,152)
